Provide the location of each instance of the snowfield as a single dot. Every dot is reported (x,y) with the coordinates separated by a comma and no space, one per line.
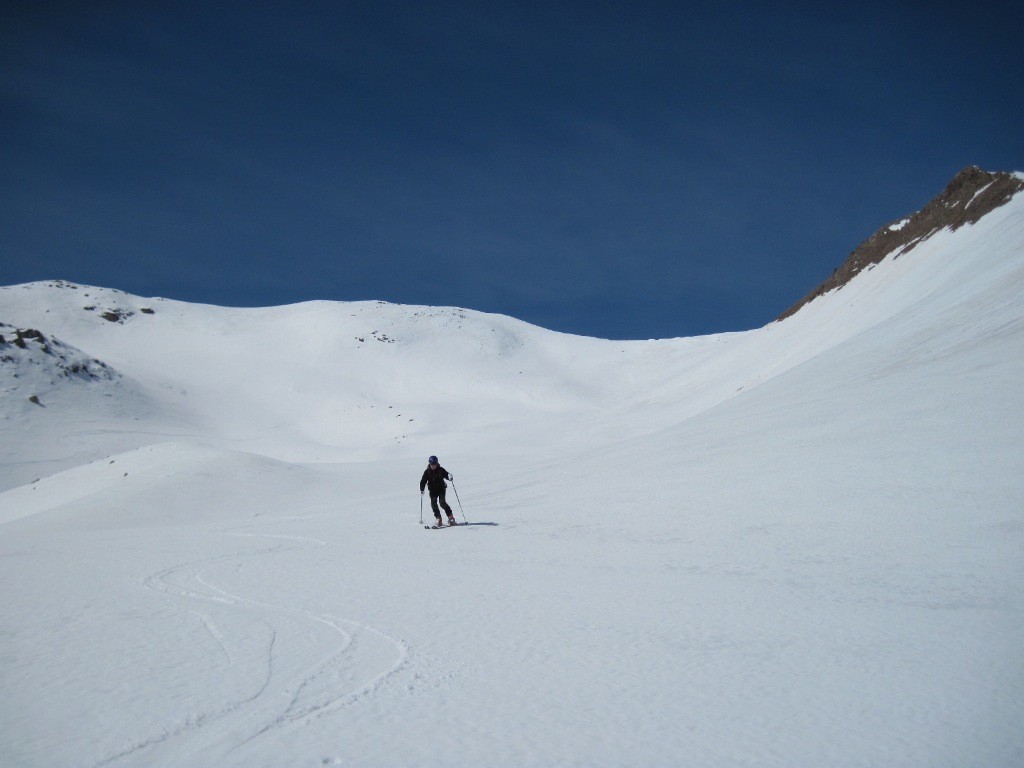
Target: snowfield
(801,545)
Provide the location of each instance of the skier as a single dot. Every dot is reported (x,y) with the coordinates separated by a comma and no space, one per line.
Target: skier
(434,477)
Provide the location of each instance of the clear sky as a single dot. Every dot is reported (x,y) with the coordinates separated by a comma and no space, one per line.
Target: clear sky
(625,170)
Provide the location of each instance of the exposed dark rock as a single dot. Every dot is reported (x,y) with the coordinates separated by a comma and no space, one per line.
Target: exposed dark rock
(971,194)
(61,359)
(117,315)
(22,335)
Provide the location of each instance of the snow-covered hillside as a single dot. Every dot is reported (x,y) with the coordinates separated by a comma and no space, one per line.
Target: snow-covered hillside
(800,545)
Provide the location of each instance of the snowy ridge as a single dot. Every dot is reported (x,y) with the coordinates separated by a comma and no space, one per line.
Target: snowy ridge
(28,358)
(970,196)
(64,405)
(328,381)
(800,545)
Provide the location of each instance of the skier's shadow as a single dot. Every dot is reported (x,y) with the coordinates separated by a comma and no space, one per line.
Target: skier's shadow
(478,523)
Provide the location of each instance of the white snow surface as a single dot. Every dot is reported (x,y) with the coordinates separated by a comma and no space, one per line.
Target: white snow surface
(801,545)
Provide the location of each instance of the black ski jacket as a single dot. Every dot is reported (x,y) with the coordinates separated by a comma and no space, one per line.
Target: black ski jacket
(435,478)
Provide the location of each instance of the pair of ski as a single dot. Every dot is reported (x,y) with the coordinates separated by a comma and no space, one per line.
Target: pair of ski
(438,527)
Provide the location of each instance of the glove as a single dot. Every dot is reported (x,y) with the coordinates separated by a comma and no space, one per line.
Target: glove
(450,477)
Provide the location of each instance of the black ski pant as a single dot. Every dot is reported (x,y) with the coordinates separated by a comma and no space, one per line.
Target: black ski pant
(437,497)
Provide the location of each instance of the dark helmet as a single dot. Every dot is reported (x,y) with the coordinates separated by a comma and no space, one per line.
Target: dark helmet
(432,460)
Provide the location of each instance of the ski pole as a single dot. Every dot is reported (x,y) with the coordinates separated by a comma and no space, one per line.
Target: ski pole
(421,507)
(458,500)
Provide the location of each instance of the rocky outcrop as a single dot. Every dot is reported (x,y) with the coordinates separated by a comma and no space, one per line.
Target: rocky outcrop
(26,350)
(971,194)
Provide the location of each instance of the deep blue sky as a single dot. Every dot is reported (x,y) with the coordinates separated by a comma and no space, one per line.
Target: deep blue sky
(626,170)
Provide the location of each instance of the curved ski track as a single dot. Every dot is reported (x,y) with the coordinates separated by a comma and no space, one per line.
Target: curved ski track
(287,693)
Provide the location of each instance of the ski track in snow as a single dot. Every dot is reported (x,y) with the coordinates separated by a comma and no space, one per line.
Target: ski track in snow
(281,700)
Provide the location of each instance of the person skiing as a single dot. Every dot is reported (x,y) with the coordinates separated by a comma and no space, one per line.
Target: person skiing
(434,477)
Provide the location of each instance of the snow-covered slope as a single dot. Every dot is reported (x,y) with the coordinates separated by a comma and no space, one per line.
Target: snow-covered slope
(800,545)
(331,381)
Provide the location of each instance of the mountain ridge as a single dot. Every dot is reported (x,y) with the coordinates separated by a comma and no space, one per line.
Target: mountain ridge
(967,198)
(339,381)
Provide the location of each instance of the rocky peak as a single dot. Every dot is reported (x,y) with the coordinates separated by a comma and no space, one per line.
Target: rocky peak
(971,194)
